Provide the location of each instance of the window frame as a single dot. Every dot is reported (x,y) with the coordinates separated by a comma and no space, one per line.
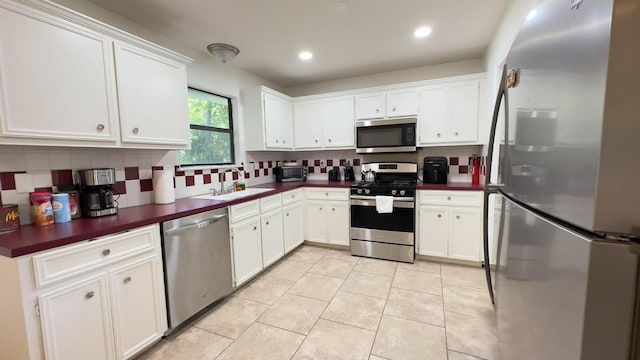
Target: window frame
(229,131)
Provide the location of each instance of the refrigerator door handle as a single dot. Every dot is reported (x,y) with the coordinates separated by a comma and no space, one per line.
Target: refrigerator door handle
(492,188)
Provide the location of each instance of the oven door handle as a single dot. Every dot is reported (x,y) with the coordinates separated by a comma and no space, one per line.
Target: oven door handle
(373,198)
(397,203)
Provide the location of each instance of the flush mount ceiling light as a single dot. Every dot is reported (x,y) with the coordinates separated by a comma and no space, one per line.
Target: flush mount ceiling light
(224,52)
(422,32)
(531,14)
(305,55)
(340,6)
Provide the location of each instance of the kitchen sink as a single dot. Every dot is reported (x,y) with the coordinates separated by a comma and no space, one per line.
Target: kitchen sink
(234,195)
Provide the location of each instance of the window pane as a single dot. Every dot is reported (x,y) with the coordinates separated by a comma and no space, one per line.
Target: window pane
(208,109)
(207,147)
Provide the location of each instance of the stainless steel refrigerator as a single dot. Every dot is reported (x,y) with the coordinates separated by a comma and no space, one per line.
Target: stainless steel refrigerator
(563,183)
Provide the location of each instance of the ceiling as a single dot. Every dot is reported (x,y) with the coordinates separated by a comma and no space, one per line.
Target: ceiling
(370,36)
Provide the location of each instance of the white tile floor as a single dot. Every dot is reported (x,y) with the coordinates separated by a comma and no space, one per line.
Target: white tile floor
(325,304)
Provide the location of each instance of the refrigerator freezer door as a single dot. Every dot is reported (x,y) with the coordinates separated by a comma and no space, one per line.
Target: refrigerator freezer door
(556,108)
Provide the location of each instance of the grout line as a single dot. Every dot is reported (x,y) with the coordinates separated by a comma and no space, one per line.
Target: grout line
(386,301)
(444,317)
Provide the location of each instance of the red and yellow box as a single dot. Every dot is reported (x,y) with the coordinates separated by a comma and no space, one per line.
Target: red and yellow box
(9,217)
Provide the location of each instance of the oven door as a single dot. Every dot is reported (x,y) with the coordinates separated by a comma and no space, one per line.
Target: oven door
(394,228)
(385,136)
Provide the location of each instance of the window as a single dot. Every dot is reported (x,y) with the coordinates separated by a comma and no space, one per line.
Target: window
(211,130)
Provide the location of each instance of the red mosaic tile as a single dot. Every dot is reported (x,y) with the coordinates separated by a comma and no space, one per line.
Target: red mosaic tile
(453,160)
(241,168)
(119,187)
(180,173)
(159,167)
(206,178)
(190,180)
(343,162)
(146,185)
(61,177)
(463,169)
(247,175)
(266,172)
(270,164)
(256,173)
(329,162)
(323,170)
(7,180)
(356,162)
(198,172)
(311,170)
(235,176)
(131,173)
(260,164)
(316,162)
(305,162)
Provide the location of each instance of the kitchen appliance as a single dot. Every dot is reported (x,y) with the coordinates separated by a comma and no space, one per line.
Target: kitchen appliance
(334,174)
(197,260)
(435,170)
(562,277)
(386,136)
(96,192)
(290,173)
(348,172)
(389,236)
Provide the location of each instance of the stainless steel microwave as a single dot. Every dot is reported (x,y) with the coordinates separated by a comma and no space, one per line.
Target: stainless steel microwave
(386,136)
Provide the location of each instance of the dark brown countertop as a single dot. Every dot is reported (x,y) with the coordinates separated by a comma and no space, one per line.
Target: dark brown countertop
(450,186)
(30,239)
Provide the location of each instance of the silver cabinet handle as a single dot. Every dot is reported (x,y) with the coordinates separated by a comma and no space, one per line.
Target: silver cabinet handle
(127,280)
(255,228)
(106,252)
(100,127)
(439,135)
(136,130)
(89,295)
(439,215)
(329,140)
(316,140)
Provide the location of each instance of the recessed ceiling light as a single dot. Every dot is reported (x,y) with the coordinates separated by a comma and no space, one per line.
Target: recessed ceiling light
(340,6)
(305,55)
(422,32)
(531,14)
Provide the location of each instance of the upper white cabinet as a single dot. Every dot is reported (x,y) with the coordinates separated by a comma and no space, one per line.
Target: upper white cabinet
(268,119)
(324,123)
(449,113)
(70,81)
(396,103)
(152,97)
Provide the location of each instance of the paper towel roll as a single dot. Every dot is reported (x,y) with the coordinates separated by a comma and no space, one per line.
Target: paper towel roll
(163,191)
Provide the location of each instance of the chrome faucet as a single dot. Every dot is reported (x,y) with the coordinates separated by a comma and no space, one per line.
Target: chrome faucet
(231,188)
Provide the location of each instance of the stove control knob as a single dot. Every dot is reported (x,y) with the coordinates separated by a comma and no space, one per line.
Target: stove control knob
(367,191)
(359,191)
(402,192)
(393,192)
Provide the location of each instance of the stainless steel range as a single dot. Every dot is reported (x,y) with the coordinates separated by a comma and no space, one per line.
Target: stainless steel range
(382,234)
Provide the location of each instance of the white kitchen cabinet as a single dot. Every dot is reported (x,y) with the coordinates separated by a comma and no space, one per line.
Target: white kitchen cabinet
(316,221)
(328,215)
(371,106)
(152,97)
(268,119)
(449,113)
(324,123)
(76,321)
(338,223)
(247,249)
(402,103)
(450,224)
(57,79)
(293,226)
(272,237)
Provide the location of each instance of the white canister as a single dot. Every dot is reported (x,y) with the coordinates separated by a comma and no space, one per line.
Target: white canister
(163,191)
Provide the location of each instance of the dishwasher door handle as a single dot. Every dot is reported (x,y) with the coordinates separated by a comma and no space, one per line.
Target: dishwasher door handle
(200,224)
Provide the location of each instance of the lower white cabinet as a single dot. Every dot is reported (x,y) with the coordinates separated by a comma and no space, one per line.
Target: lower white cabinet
(246,242)
(293,225)
(338,223)
(328,216)
(109,305)
(272,237)
(452,230)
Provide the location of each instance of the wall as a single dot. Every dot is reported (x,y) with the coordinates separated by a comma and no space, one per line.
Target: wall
(456,68)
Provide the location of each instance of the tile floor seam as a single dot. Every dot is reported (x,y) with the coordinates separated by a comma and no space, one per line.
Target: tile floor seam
(386,301)
(464,353)
(444,316)
(364,272)
(213,332)
(278,327)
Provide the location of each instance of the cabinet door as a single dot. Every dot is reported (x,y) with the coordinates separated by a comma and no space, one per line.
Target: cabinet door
(433,231)
(139,313)
(293,219)
(465,226)
(272,237)
(274,123)
(432,123)
(286,124)
(317,221)
(307,118)
(339,122)
(370,106)
(152,95)
(402,103)
(247,250)
(57,79)
(463,112)
(76,321)
(338,223)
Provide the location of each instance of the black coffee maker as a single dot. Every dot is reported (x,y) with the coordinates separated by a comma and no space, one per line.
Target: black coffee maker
(96,192)
(435,170)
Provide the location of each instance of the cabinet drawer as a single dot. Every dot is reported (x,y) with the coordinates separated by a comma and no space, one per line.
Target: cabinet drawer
(291,196)
(466,198)
(73,260)
(328,194)
(244,211)
(270,203)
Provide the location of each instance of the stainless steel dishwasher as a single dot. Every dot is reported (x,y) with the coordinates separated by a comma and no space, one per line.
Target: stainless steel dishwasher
(197,258)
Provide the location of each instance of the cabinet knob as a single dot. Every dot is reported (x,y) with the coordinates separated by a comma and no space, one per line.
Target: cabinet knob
(455,133)
(100,127)
(377,110)
(267,223)
(136,130)
(448,197)
(457,216)
(287,214)
(106,252)
(284,141)
(394,109)
(333,209)
(439,215)
(127,280)
(320,209)
(89,295)
(326,194)
(277,141)
(439,135)
(329,140)
(316,140)
(255,228)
